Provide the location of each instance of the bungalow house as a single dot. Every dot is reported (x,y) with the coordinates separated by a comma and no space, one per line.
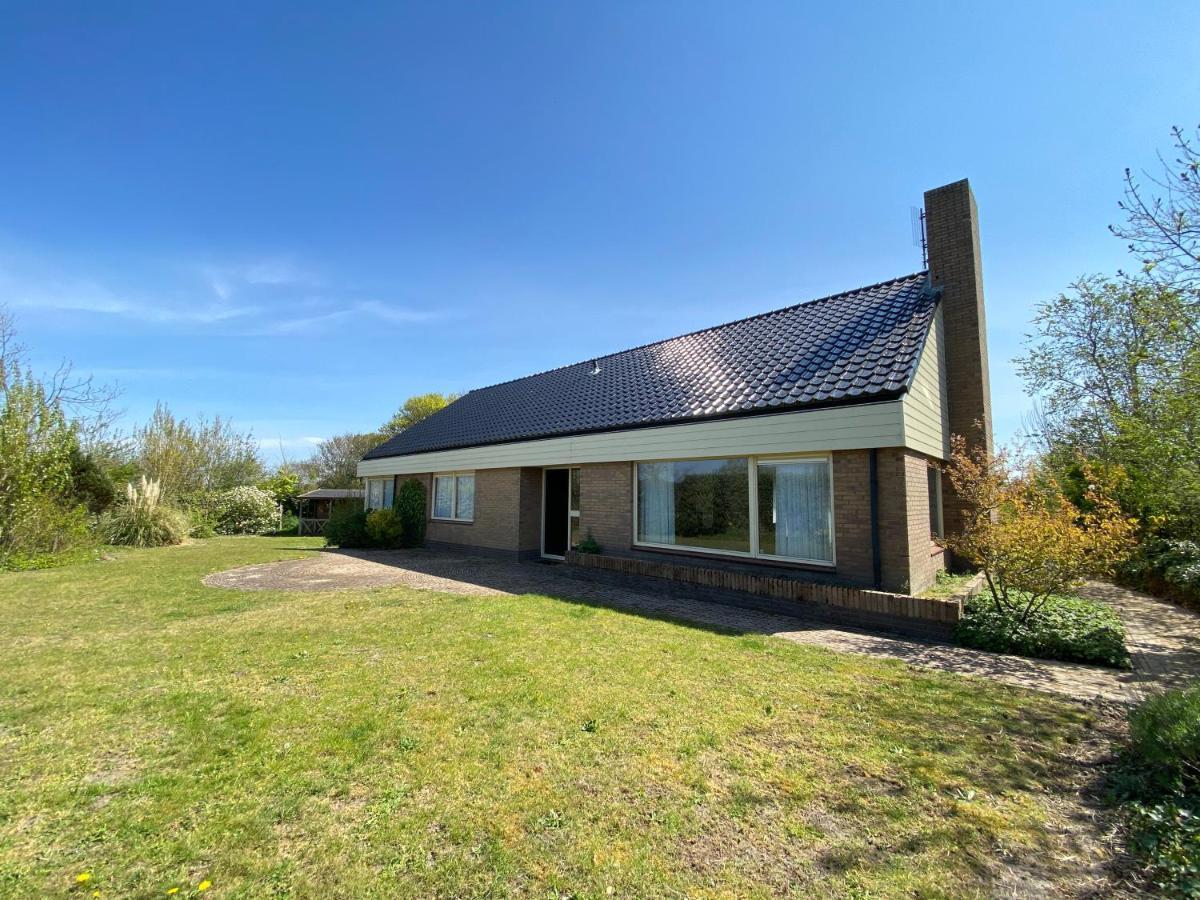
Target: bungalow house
(802,442)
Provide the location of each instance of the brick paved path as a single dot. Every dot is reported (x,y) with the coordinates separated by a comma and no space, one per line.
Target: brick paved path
(1164,640)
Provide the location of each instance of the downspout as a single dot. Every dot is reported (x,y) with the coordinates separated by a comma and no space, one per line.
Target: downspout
(876,563)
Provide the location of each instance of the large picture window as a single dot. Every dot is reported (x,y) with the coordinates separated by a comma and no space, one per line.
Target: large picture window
(454,496)
(779,508)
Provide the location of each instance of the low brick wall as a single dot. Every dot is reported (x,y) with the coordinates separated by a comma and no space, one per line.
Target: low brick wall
(925,613)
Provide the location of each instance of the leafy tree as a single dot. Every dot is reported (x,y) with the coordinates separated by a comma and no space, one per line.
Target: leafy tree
(191,458)
(416,408)
(283,485)
(337,459)
(90,484)
(1031,542)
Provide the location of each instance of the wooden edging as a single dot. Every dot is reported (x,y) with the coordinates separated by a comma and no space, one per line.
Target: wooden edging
(928,609)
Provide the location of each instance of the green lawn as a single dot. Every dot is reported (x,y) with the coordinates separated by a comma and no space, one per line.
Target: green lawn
(157,733)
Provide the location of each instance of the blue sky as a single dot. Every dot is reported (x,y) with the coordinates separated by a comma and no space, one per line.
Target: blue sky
(298,214)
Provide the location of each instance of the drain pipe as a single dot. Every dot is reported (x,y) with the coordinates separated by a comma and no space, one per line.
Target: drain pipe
(876,564)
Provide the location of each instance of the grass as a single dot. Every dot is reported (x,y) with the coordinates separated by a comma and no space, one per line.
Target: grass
(948,585)
(391,742)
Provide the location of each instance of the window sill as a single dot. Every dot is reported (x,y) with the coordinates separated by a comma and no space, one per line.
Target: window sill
(452,521)
(737,556)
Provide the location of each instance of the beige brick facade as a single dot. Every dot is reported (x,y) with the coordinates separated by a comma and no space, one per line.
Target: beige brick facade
(508,516)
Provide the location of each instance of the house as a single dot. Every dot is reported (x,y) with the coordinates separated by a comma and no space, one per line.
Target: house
(803,442)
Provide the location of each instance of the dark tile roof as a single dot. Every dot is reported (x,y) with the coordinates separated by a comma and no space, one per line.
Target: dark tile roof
(857,346)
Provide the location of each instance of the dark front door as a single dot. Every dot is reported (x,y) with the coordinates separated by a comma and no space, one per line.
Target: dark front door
(555,512)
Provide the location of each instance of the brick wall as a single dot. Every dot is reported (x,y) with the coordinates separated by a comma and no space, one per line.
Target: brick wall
(606,504)
(852,516)
(502,506)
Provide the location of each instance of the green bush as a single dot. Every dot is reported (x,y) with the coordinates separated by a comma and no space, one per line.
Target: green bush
(589,545)
(243,510)
(143,520)
(384,528)
(410,510)
(347,527)
(46,533)
(1164,735)
(90,484)
(1167,568)
(1158,785)
(1067,628)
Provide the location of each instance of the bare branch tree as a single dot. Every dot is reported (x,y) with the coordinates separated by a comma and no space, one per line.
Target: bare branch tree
(1162,216)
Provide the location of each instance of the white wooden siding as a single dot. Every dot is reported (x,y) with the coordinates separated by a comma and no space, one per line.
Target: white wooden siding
(926,427)
(856,427)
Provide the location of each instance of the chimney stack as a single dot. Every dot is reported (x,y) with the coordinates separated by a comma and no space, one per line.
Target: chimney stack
(952,232)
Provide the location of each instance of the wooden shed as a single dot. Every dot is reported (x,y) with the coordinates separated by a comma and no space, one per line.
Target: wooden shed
(314,507)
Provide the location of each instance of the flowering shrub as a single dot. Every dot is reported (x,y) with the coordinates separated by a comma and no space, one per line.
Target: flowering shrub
(243,510)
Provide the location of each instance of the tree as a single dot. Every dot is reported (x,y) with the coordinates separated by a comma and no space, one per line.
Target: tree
(1162,217)
(337,459)
(416,408)
(1030,541)
(1116,364)
(189,459)
(283,485)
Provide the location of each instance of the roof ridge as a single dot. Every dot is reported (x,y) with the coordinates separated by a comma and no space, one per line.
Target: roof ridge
(686,334)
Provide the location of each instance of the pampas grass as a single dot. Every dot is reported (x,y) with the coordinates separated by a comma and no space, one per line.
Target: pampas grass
(143,520)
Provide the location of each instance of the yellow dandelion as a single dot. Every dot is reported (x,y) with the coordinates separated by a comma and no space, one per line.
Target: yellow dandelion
(83,877)
(204,885)
(173,890)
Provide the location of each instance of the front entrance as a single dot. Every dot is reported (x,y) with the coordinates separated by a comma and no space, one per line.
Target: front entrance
(560,510)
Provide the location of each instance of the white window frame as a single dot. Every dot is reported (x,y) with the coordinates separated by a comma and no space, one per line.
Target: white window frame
(453,517)
(752,473)
(384,492)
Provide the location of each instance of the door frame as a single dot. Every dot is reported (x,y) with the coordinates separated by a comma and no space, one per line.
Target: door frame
(570,515)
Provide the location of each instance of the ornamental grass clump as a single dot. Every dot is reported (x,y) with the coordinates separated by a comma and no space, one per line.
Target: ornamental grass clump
(143,520)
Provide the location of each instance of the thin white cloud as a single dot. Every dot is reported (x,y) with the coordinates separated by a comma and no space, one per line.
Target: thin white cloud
(227,280)
(91,298)
(369,309)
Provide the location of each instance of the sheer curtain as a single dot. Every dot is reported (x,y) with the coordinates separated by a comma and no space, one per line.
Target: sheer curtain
(656,503)
(802,526)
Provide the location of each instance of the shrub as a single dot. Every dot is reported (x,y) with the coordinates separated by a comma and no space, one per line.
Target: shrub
(1029,539)
(1166,567)
(384,528)
(90,484)
(347,527)
(1164,734)
(243,510)
(410,509)
(1066,628)
(143,520)
(1158,784)
(46,533)
(200,523)
(589,545)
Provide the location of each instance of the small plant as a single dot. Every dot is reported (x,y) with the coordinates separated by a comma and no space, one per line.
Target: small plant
(143,520)
(410,510)
(347,527)
(589,544)
(384,528)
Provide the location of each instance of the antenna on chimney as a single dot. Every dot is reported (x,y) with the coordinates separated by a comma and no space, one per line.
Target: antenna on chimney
(918,234)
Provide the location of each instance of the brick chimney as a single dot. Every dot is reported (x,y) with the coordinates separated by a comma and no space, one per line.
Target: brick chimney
(952,232)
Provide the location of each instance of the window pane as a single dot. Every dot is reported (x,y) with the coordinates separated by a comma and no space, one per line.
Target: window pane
(443,500)
(795,512)
(703,504)
(374,493)
(935,502)
(575,537)
(466,497)
(388,487)
(574,490)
